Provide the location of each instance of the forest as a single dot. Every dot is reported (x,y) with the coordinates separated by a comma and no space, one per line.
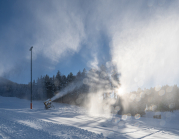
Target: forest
(98,83)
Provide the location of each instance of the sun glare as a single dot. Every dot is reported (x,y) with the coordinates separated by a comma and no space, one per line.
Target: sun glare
(120,91)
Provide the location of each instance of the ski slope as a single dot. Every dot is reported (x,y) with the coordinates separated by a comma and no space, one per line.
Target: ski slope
(18,121)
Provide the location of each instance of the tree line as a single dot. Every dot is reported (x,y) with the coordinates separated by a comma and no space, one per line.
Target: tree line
(45,87)
(159,98)
(95,81)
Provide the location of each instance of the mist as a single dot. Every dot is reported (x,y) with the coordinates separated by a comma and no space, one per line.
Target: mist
(146,50)
(141,37)
(55,29)
(143,45)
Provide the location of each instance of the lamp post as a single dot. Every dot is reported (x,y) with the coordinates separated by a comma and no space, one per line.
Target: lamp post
(31,77)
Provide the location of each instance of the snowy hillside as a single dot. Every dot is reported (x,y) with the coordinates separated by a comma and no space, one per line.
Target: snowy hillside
(18,121)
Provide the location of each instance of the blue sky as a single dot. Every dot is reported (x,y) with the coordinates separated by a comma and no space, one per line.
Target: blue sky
(139,37)
(22,26)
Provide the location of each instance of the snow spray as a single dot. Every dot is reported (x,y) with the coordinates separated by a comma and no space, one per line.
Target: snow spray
(67,90)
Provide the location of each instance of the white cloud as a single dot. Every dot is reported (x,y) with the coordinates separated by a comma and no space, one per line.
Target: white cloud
(61,30)
(54,28)
(94,63)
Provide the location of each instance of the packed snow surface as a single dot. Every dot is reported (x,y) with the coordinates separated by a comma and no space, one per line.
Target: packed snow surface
(18,121)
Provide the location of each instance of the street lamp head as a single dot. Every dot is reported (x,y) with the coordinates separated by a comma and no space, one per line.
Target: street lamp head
(30,48)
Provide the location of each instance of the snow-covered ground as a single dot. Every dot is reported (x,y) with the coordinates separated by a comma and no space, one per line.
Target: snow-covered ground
(18,121)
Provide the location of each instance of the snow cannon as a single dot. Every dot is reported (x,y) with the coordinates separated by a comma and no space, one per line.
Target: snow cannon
(48,104)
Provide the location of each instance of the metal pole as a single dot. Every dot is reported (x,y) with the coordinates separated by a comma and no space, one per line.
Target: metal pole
(31,78)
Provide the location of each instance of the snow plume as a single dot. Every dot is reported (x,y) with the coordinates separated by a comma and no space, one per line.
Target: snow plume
(99,87)
(144,41)
(142,36)
(60,28)
(55,29)
(67,90)
(99,99)
(144,46)
(93,63)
